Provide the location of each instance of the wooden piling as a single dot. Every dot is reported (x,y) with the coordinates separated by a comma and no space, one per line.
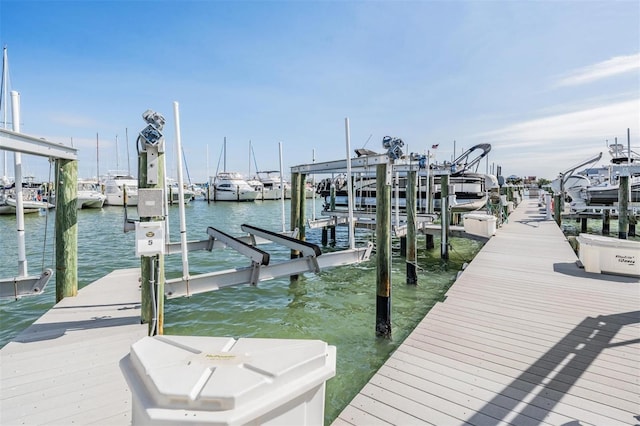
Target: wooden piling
(383,252)
(411,252)
(606,222)
(429,243)
(66,228)
(445,218)
(623,208)
(583,225)
(152,271)
(295,213)
(557,209)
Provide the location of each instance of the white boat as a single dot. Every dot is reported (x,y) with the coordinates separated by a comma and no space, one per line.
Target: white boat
(269,185)
(231,186)
(173,193)
(89,195)
(34,198)
(115,187)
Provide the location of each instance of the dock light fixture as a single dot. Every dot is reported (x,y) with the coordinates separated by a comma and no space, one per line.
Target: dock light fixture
(393,147)
(152,143)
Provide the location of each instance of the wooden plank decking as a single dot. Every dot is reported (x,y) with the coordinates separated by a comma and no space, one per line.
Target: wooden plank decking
(64,369)
(524,337)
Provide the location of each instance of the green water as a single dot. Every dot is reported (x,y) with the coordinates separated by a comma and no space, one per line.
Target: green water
(337,305)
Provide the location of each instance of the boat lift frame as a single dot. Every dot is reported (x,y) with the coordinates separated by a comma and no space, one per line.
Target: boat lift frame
(24,284)
(261,269)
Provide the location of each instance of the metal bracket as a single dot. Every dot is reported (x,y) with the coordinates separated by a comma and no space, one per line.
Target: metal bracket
(17,287)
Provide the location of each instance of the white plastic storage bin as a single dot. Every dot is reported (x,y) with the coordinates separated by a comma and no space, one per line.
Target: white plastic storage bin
(480,224)
(610,255)
(188,380)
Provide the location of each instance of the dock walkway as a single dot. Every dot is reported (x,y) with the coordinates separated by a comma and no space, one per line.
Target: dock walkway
(524,337)
(64,369)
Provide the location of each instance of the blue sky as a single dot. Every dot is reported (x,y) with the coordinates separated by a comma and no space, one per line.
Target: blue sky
(545,83)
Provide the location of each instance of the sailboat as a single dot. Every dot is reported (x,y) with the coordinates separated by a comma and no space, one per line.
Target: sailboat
(231,186)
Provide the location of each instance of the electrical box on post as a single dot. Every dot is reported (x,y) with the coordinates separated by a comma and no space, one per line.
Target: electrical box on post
(150,202)
(149,238)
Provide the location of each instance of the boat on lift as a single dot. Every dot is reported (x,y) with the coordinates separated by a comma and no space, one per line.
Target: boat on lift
(472,189)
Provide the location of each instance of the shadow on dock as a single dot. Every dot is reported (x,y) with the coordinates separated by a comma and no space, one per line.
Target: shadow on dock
(547,381)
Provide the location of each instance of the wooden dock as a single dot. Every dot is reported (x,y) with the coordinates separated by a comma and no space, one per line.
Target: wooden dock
(64,369)
(524,337)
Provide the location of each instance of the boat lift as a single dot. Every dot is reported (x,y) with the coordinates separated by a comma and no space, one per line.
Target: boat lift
(261,269)
(150,236)
(24,284)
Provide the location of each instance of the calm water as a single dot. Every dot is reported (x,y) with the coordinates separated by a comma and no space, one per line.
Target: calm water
(337,305)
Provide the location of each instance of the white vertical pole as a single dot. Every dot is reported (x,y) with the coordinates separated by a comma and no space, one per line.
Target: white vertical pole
(5,114)
(183,226)
(282,189)
(17,160)
(352,242)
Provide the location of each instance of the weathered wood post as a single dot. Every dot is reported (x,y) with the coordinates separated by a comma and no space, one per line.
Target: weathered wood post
(383,252)
(66,229)
(606,221)
(632,225)
(332,207)
(429,240)
(295,212)
(412,260)
(557,208)
(152,267)
(624,192)
(445,218)
(302,235)
(583,225)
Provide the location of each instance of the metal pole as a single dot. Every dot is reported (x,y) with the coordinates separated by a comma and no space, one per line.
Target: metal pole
(352,243)
(17,164)
(183,225)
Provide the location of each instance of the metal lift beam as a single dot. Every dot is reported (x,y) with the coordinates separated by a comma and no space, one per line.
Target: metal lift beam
(17,287)
(307,249)
(255,254)
(180,287)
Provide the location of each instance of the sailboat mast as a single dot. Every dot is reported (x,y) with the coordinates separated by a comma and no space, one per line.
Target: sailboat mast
(126,139)
(117,156)
(97,158)
(224,152)
(3,101)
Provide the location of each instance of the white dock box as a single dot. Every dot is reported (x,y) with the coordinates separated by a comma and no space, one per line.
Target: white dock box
(480,224)
(605,254)
(189,380)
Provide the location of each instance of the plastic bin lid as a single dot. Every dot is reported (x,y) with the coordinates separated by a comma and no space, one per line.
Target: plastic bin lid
(599,240)
(220,373)
(478,216)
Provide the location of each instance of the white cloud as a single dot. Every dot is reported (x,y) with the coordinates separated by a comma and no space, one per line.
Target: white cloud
(610,67)
(587,124)
(545,146)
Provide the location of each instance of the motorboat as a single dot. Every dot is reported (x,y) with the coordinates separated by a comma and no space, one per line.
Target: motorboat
(269,185)
(89,195)
(35,198)
(115,187)
(231,186)
(173,193)
(472,190)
